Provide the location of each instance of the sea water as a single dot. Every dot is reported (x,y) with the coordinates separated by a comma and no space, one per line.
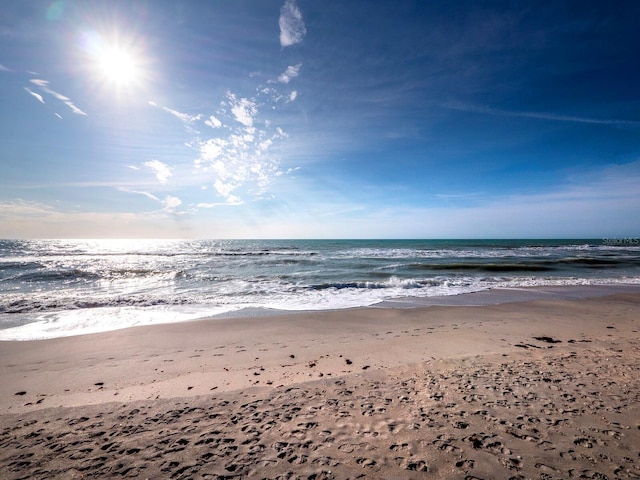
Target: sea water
(52,288)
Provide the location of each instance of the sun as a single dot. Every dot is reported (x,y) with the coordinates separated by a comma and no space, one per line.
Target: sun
(118,66)
(116,62)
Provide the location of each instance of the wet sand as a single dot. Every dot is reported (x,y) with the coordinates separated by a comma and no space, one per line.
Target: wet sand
(540,389)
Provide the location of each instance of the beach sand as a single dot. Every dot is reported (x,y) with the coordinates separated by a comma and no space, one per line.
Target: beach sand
(541,389)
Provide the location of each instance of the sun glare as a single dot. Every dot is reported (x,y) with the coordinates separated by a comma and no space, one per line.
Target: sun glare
(117,66)
(115,62)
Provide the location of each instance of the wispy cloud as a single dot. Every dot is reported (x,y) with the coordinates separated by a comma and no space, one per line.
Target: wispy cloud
(34,94)
(24,208)
(162,171)
(38,220)
(4,69)
(231,201)
(44,86)
(292,29)
(185,117)
(139,192)
(169,203)
(538,115)
(291,72)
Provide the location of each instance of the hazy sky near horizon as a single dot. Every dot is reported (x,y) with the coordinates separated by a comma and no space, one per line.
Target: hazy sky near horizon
(332,119)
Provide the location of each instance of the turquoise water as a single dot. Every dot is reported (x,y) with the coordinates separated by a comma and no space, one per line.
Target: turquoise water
(54,288)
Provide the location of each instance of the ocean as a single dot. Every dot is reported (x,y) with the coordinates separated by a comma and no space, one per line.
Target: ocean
(54,288)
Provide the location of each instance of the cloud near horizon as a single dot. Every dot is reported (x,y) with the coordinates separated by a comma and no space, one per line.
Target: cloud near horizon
(609,196)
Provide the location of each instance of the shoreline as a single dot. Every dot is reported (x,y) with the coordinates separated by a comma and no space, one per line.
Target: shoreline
(339,332)
(492,296)
(522,388)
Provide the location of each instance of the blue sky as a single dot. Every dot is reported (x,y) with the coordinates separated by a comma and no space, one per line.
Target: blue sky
(332,119)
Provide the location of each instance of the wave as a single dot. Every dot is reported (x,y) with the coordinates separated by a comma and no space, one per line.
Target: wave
(541,265)
(82,275)
(393,282)
(486,267)
(601,262)
(23,305)
(57,275)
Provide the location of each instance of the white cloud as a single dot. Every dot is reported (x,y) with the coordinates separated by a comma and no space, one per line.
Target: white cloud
(171,203)
(213,122)
(243,109)
(240,162)
(293,96)
(291,72)
(161,170)
(211,149)
(223,188)
(292,29)
(4,69)
(44,86)
(36,95)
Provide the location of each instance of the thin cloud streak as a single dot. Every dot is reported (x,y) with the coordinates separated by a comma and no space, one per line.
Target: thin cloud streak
(39,220)
(537,115)
(44,86)
(150,196)
(24,208)
(34,94)
(169,203)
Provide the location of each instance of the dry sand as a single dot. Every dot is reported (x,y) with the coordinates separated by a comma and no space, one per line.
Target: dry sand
(542,389)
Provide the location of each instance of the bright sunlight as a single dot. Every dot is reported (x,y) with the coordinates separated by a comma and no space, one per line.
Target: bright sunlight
(118,66)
